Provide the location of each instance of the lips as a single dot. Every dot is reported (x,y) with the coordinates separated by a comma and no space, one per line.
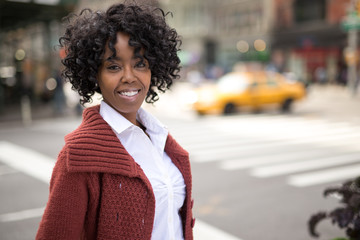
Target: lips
(129,93)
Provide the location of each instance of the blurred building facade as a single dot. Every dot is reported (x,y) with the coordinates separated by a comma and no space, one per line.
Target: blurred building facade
(302,36)
(221,32)
(310,37)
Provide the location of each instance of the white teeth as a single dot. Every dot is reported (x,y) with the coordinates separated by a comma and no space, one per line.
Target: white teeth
(129,94)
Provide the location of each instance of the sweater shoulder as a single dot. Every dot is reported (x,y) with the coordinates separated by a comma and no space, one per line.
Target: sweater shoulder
(173,147)
(93,126)
(94,147)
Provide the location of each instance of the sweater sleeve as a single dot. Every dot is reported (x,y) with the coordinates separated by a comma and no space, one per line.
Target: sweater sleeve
(65,211)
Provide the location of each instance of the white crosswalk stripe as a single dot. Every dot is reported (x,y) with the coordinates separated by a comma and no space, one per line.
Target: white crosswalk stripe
(312,164)
(306,151)
(275,158)
(324,176)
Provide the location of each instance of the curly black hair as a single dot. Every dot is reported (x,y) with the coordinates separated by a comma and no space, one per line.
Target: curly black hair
(87,34)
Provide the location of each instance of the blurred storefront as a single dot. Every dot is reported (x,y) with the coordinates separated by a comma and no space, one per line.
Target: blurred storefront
(29,53)
(28,56)
(310,35)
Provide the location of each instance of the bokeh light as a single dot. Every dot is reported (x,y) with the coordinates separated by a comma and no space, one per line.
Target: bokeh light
(242,46)
(259,45)
(20,54)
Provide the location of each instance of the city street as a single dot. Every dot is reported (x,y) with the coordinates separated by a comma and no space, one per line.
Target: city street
(255,176)
(259,172)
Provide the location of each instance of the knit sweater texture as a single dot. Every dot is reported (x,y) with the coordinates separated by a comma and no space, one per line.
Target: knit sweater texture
(98,191)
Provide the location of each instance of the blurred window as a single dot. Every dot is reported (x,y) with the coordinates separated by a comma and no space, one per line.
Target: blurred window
(271,83)
(254,85)
(272,79)
(308,10)
(233,83)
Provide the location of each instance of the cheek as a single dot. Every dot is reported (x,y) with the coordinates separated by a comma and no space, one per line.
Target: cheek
(148,81)
(105,87)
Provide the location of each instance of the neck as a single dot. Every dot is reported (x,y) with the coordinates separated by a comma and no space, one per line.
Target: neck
(140,125)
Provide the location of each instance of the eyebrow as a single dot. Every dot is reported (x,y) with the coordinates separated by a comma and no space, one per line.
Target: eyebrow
(116,58)
(111,59)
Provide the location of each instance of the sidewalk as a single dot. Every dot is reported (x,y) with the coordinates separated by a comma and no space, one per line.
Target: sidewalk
(329,101)
(332,102)
(12,115)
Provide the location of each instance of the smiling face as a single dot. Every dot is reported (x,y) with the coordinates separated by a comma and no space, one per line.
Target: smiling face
(125,79)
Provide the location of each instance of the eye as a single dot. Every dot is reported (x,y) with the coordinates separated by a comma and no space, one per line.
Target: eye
(113,67)
(141,64)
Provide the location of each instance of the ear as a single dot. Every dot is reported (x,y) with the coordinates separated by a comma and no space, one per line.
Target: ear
(96,86)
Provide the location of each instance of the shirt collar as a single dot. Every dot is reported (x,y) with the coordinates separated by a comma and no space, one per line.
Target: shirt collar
(113,118)
(157,132)
(152,124)
(120,123)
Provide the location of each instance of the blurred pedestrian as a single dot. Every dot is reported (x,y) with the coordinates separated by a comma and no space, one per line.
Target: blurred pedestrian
(320,75)
(120,174)
(59,95)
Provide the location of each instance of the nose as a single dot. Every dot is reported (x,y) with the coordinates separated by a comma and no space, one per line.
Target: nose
(128,75)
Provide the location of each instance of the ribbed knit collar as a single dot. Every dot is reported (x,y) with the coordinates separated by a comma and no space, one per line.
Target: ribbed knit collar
(94,147)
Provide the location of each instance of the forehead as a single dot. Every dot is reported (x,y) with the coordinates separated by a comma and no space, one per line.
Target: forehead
(122,41)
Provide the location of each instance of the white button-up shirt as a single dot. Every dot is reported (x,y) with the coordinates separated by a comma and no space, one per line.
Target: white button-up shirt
(165,178)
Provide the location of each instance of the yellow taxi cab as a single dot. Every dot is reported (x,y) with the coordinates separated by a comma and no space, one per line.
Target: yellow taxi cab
(254,90)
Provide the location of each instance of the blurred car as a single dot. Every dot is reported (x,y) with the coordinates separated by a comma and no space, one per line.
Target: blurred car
(254,90)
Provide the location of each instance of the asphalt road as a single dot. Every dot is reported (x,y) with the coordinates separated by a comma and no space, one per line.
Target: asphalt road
(255,176)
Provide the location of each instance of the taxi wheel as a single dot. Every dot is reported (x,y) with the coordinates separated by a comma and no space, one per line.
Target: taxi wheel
(286,106)
(229,109)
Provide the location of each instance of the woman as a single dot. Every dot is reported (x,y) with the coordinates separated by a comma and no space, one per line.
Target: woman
(120,174)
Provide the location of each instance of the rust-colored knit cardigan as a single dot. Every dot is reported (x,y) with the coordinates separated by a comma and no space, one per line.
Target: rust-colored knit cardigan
(98,191)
